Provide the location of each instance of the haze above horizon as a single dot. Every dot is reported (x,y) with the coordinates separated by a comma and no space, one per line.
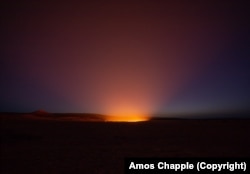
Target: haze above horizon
(125,58)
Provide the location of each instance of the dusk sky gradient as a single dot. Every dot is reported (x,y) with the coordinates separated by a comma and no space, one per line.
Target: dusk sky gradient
(125,57)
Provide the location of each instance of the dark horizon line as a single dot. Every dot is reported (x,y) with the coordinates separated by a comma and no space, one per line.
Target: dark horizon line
(159,116)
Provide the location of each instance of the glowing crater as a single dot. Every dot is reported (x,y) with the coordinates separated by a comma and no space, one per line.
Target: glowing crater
(129,118)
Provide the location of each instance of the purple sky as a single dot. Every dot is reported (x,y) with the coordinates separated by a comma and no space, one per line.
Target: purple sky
(125,57)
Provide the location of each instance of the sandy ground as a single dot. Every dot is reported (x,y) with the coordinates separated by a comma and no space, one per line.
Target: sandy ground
(47,146)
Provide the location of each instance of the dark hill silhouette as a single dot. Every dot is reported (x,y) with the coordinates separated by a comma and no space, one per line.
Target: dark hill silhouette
(41,112)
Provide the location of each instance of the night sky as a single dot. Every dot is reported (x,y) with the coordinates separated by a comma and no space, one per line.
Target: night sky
(127,57)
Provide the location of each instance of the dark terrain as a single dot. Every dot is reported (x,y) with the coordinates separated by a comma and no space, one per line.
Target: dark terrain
(37,146)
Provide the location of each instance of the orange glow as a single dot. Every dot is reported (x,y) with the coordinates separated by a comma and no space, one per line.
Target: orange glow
(123,79)
(129,118)
(122,108)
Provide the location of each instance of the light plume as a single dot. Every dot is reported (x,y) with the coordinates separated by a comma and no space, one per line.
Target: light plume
(118,59)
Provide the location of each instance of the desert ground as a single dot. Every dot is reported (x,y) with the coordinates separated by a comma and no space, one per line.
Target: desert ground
(40,145)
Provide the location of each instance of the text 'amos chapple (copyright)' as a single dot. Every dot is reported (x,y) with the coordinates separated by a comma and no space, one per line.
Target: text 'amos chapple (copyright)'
(185,165)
